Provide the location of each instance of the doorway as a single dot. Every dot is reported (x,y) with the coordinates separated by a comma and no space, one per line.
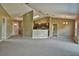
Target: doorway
(54,28)
(4,29)
(17,28)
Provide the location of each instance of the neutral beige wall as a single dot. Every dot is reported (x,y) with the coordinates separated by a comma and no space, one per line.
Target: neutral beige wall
(9,27)
(27,24)
(77,37)
(3,13)
(59,22)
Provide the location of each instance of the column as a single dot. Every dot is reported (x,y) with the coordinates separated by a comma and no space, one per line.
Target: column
(27,24)
(50,30)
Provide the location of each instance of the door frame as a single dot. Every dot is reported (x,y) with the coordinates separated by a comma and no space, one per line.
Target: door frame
(53,30)
(4,28)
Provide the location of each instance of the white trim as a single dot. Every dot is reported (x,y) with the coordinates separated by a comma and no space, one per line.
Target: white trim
(75,28)
(4,30)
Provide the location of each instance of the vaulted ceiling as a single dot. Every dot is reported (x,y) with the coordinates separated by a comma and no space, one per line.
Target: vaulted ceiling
(18,9)
(56,8)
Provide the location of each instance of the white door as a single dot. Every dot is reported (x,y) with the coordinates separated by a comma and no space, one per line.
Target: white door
(4,28)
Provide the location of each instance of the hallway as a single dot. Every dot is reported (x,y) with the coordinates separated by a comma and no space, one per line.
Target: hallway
(43,47)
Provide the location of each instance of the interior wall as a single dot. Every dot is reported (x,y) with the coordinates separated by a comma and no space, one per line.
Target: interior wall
(21,28)
(27,24)
(9,27)
(63,29)
(77,36)
(3,13)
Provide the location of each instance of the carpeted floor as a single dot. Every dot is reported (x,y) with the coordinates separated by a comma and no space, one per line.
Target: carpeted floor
(28,47)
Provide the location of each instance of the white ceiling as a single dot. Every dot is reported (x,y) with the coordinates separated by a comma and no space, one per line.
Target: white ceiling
(18,9)
(56,8)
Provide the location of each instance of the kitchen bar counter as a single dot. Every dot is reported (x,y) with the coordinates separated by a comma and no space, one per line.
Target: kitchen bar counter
(39,33)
